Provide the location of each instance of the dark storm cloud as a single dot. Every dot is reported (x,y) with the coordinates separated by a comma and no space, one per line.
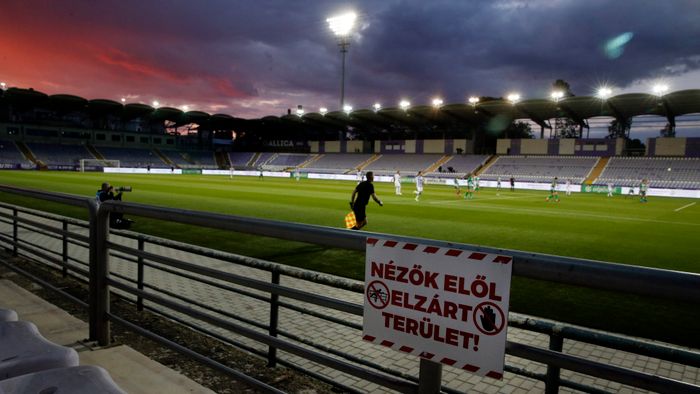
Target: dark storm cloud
(253,58)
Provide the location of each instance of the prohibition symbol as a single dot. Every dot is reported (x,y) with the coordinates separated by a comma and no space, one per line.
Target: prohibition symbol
(378,294)
(489,318)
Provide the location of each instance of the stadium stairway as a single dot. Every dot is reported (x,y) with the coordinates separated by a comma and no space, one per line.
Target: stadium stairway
(251,162)
(164,158)
(130,370)
(597,170)
(486,165)
(367,162)
(22,147)
(222,160)
(93,151)
(434,166)
(311,160)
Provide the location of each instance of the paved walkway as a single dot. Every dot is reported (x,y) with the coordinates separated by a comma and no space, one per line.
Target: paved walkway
(131,370)
(349,340)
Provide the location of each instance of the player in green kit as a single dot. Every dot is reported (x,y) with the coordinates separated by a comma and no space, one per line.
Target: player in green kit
(553,192)
(643,187)
(469,194)
(476,183)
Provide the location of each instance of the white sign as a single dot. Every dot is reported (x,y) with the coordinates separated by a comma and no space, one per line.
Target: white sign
(446,305)
(129,170)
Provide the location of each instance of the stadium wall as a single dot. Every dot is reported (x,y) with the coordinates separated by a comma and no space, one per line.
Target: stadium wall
(445,146)
(565,146)
(681,146)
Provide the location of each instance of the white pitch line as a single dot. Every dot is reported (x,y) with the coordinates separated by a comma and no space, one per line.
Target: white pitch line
(485,199)
(685,206)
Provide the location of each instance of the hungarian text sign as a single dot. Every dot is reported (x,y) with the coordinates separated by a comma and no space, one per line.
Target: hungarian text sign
(445,305)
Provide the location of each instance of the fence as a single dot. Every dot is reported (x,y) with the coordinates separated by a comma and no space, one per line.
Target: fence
(101,245)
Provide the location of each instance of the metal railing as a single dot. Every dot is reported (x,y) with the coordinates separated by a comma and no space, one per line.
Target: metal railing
(622,278)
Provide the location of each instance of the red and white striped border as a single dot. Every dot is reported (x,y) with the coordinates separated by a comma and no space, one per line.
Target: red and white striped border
(430,356)
(494,258)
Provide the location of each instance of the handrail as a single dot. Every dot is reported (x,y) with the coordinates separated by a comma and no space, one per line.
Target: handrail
(653,282)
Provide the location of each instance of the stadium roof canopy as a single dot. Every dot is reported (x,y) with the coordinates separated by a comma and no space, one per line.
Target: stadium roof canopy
(540,111)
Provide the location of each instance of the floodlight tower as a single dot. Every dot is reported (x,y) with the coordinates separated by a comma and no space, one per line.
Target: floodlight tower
(341,26)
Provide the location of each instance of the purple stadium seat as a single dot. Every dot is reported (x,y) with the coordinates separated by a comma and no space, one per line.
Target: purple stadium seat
(23,350)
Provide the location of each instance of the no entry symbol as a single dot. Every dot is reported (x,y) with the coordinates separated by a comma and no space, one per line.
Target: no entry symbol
(489,318)
(378,294)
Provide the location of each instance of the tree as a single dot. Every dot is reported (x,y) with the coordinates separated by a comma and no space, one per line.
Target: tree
(518,130)
(619,128)
(564,127)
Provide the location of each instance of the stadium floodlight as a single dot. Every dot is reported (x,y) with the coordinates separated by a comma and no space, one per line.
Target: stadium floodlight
(660,89)
(604,92)
(185,108)
(341,26)
(323,110)
(377,107)
(300,112)
(437,102)
(557,95)
(156,104)
(347,109)
(123,100)
(3,85)
(473,100)
(404,104)
(513,98)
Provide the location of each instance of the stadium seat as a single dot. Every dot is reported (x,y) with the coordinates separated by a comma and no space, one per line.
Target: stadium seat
(75,380)
(23,350)
(7,315)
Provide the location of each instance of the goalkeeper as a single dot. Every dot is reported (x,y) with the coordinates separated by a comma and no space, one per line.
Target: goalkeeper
(360,199)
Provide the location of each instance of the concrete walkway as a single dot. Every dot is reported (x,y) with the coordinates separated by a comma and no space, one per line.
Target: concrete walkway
(349,340)
(131,370)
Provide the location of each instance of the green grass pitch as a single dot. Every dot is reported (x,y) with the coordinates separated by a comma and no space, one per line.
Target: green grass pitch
(618,229)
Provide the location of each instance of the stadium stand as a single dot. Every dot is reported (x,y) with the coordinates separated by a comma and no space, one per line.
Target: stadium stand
(11,157)
(132,157)
(281,161)
(240,159)
(337,163)
(461,165)
(541,168)
(263,158)
(199,159)
(408,164)
(662,172)
(59,154)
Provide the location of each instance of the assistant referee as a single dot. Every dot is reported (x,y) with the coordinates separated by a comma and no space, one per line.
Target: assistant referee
(360,199)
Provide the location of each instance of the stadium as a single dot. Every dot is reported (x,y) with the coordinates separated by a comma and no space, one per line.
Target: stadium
(227,253)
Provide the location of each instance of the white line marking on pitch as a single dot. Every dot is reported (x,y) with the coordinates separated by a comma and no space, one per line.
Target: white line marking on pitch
(685,206)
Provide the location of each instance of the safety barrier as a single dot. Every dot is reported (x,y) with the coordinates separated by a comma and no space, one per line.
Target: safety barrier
(105,244)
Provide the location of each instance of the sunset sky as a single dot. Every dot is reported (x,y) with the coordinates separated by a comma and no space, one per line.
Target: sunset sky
(257,58)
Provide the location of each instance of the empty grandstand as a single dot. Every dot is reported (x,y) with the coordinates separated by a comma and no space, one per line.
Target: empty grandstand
(198,159)
(59,155)
(11,157)
(662,172)
(132,157)
(240,160)
(281,161)
(541,168)
(337,163)
(408,164)
(460,165)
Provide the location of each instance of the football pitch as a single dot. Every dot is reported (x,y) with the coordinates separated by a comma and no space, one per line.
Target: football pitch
(662,233)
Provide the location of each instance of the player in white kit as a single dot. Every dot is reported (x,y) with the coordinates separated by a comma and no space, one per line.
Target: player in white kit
(419,185)
(397,183)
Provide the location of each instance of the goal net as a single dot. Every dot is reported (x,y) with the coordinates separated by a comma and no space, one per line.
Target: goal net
(96,164)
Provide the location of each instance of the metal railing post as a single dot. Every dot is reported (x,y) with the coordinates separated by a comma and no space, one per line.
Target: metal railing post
(429,377)
(274,320)
(92,291)
(139,279)
(101,273)
(556,343)
(65,248)
(14,231)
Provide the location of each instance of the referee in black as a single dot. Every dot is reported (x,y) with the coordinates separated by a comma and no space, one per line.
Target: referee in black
(360,198)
